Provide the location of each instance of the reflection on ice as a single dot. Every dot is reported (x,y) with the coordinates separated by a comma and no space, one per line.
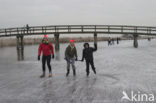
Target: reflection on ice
(57,55)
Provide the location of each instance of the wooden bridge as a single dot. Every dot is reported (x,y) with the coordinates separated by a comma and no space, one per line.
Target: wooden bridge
(56,30)
(72,29)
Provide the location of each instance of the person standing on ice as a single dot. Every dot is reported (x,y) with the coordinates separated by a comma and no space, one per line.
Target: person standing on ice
(47,53)
(88,56)
(71,56)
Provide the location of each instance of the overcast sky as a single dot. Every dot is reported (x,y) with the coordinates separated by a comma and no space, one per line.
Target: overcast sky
(15,13)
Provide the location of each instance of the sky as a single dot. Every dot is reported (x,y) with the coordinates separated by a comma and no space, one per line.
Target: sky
(17,13)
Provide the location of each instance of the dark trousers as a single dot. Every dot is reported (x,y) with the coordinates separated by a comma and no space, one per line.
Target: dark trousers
(91,62)
(44,60)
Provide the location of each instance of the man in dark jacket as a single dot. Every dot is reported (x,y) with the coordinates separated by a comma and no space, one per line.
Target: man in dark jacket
(71,56)
(88,56)
(47,48)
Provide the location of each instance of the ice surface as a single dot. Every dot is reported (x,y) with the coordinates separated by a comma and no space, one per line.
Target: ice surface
(119,68)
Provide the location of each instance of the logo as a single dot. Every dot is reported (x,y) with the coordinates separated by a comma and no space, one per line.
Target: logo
(137,97)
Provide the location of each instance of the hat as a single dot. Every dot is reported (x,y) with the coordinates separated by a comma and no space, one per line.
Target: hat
(86,44)
(45,36)
(72,41)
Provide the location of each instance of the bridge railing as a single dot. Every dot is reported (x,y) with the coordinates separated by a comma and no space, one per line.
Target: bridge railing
(114,29)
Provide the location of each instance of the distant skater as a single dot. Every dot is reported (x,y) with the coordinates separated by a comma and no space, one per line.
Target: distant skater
(71,57)
(88,56)
(27,28)
(109,41)
(117,40)
(47,53)
(149,39)
(112,41)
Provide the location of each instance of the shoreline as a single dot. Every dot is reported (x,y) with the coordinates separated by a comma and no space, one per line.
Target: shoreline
(8,42)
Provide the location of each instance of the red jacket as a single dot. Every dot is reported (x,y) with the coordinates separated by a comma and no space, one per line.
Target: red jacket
(47,49)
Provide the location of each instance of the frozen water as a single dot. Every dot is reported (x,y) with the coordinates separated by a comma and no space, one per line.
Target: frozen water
(119,68)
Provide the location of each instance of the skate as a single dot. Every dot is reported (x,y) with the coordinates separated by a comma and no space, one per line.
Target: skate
(67,73)
(43,75)
(87,74)
(94,71)
(50,74)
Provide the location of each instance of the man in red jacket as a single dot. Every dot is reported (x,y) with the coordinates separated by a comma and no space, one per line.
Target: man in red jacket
(47,50)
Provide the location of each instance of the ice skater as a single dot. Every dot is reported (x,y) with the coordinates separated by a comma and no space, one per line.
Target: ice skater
(149,39)
(109,41)
(112,40)
(27,28)
(88,56)
(70,57)
(117,40)
(47,53)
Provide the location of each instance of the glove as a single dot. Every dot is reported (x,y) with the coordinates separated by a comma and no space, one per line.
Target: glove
(38,58)
(76,59)
(66,58)
(53,56)
(95,45)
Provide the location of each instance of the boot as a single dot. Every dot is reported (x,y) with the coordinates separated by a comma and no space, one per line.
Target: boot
(43,75)
(67,73)
(50,74)
(94,71)
(87,74)
(74,72)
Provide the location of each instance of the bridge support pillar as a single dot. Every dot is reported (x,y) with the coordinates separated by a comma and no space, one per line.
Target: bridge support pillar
(95,38)
(57,46)
(20,48)
(135,43)
(57,43)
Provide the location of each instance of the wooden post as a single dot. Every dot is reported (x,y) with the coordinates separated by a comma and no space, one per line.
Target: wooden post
(57,43)
(95,38)
(57,46)
(17,44)
(20,48)
(135,43)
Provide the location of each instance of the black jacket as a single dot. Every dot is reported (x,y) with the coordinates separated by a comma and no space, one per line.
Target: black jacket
(88,53)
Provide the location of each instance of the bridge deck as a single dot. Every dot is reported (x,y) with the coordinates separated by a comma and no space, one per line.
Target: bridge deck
(68,29)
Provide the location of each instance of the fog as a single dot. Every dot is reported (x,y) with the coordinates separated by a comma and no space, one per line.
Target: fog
(17,13)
